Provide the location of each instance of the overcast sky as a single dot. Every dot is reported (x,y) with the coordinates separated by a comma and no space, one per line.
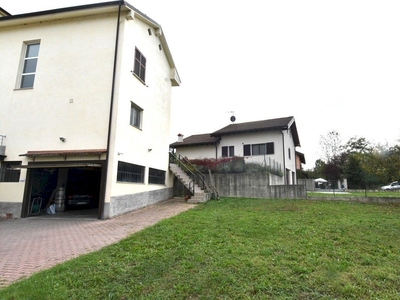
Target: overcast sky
(333,65)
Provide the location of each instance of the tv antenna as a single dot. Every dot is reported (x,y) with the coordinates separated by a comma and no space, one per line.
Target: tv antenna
(233,118)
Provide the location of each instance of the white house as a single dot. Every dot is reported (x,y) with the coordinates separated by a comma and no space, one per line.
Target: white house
(271,142)
(85,110)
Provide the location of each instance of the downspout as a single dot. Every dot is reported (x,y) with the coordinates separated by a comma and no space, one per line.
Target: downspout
(103,186)
(284,160)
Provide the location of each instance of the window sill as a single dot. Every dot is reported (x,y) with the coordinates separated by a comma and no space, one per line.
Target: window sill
(138,78)
(23,89)
(138,128)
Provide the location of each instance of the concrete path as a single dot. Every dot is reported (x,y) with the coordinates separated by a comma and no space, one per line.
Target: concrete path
(37,243)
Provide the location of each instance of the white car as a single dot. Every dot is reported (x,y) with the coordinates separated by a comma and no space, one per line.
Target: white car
(393,186)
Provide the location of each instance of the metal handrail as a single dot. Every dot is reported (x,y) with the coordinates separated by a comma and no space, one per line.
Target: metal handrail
(196,176)
(178,160)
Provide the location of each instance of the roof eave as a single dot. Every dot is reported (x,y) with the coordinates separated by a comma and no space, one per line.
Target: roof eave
(97,8)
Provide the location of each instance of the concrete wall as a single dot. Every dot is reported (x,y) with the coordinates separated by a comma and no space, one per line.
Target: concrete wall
(126,203)
(309,183)
(380,200)
(10,208)
(254,186)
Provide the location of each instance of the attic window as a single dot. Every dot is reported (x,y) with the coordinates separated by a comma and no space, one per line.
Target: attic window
(139,68)
(149,31)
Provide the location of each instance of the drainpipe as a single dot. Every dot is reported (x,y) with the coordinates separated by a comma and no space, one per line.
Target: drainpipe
(103,186)
(284,160)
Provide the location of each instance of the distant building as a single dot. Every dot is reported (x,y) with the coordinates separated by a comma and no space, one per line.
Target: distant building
(271,142)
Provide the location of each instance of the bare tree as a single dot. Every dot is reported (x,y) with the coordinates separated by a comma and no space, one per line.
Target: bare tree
(331,145)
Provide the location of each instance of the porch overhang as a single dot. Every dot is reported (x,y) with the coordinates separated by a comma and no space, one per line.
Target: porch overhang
(51,166)
(64,153)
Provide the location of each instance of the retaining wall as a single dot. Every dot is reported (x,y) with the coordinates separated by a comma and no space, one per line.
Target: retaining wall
(254,185)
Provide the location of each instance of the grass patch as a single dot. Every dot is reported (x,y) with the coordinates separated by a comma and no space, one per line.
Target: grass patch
(374,193)
(240,249)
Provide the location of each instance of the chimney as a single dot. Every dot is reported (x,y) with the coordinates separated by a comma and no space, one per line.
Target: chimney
(180,138)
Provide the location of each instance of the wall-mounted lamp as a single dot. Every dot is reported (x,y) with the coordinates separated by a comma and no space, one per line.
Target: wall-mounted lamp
(62,139)
(120,153)
(149,150)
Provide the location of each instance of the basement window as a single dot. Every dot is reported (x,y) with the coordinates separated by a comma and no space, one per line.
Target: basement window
(156,176)
(130,172)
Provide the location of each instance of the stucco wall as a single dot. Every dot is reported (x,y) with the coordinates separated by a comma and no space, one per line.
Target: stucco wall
(197,152)
(70,97)
(72,94)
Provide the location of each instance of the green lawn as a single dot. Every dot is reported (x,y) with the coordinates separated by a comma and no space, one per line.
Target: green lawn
(240,249)
(374,193)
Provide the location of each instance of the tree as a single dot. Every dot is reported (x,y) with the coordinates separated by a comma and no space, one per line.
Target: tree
(331,145)
(358,144)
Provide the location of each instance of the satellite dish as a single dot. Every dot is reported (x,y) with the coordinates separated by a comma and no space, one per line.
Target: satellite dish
(233,119)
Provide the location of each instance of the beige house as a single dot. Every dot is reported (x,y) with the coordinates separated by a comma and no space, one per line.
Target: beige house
(270,142)
(83,93)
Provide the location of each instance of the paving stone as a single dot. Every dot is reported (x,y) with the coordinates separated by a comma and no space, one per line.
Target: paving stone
(33,244)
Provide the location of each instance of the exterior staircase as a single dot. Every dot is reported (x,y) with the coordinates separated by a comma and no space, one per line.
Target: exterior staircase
(192,179)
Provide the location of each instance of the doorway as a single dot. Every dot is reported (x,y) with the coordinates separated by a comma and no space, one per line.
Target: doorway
(74,191)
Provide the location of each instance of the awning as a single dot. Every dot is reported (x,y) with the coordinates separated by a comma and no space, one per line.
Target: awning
(50,166)
(320,180)
(64,152)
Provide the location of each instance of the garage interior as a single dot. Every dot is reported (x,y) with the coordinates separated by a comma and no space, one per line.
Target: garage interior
(75,191)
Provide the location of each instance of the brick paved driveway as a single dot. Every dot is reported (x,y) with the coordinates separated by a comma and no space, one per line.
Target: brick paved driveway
(33,244)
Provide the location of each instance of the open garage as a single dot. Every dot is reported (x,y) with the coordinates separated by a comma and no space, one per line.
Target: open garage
(63,188)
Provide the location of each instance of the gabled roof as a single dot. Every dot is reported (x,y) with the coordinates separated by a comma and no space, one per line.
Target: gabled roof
(301,157)
(197,140)
(264,125)
(83,10)
(4,13)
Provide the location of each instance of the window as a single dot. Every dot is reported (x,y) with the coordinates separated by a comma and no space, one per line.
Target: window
(136,116)
(156,176)
(228,151)
(29,66)
(130,172)
(289,153)
(258,149)
(270,148)
(246,150)
(140,65)
(7,174)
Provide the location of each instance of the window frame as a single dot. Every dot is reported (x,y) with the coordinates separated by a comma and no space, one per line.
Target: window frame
(247,150)
(259,149)
(139,65)
(130,173)
(7,174)
(228,151)
(139,113)
(270,148)
(156,176)
(25,59)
